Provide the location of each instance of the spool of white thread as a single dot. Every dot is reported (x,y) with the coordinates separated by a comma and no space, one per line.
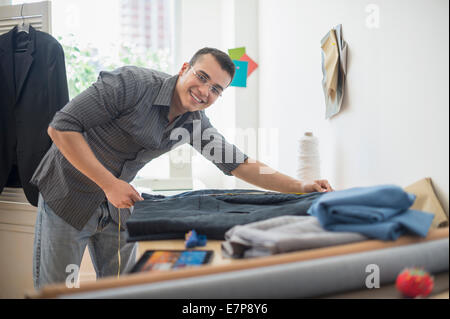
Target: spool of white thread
(308,158)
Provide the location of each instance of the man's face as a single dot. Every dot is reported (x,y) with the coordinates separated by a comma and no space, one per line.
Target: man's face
(201,84)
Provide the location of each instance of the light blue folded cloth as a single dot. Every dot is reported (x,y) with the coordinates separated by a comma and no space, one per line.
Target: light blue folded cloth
(376,211)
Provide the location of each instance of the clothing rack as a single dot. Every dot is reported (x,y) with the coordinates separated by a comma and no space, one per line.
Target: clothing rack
(38,15)
(33,20)
(24,17)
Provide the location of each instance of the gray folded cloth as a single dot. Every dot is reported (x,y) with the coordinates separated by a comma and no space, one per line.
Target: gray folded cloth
(282,234)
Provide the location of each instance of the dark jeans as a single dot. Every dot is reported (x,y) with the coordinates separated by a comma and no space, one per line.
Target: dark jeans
(210,212)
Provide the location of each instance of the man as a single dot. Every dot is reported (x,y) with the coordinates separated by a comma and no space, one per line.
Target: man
(103,137)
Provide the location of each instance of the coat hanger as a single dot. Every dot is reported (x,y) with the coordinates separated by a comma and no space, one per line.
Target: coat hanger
(21,43)
(23,27)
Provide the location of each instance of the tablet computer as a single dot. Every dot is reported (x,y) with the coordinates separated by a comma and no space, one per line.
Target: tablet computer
(164,259)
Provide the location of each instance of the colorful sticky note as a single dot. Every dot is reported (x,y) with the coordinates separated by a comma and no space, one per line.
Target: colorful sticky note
(252,65)
(237,53)
(240,76)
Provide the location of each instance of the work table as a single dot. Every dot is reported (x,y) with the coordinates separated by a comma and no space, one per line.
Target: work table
(220,265)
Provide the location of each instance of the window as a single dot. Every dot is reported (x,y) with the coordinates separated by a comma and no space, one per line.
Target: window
(105,34)
(101,35)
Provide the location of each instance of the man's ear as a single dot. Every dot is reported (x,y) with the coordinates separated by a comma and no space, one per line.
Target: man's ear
(184,68)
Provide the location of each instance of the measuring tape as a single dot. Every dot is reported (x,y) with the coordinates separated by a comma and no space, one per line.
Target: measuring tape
(118,250)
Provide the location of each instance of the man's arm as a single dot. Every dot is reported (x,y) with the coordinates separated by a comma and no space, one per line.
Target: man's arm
(77,151)
(105,100)
(261,175)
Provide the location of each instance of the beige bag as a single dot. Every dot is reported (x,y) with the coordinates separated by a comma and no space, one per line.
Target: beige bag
(427,201)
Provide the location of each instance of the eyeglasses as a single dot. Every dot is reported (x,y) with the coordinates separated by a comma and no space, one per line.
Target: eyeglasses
(217,92)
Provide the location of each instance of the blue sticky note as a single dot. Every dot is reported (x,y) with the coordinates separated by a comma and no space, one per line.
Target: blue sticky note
(240,76)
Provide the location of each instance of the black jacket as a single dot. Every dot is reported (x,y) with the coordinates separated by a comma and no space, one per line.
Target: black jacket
(33,87)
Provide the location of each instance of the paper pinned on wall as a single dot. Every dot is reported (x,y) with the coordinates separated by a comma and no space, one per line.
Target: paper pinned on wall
(244,66)
(237,53)
(240,76)
(334,69)
(331,50)
(252,65)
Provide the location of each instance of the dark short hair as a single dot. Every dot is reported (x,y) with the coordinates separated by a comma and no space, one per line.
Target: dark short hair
(221,57)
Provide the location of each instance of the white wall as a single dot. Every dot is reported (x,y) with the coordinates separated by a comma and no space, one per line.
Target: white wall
(223,24)
(200,24)
(393,127)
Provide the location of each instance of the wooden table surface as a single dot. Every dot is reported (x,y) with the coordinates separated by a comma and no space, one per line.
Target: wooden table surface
(178,244)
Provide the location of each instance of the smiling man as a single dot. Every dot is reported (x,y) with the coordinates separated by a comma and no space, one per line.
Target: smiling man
(104,136)
(196,90)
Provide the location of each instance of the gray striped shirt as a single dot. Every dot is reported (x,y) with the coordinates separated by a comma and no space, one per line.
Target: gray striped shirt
(123,117)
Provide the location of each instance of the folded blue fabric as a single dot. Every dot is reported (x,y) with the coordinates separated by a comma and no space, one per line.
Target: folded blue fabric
(376,211)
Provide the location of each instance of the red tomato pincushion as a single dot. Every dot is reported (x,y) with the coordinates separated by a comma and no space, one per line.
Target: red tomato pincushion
(413,282)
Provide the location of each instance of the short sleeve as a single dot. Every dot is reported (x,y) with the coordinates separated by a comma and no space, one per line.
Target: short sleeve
(213,146)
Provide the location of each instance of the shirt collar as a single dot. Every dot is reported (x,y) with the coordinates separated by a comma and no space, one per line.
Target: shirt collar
(165,94)
(197,115)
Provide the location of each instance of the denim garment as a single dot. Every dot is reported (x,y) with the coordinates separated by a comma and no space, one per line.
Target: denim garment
(377,211)
(210,212)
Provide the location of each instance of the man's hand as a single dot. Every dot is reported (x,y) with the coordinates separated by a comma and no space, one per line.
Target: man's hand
(121,194)
(77,151)
(251,171)
(320,185)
